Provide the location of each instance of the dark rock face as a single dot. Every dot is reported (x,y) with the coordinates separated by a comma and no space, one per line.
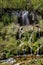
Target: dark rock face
(27,18)
(24,17)
(41,34)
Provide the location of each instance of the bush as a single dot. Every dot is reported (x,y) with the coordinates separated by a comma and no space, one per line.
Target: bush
(25,36)
(6,19)
(38,62)
(13,4)
(14,19)
(35,46)
(37,5)
(34,37)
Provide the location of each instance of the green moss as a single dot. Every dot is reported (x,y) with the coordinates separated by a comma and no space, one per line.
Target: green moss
(3,64)
(8,43)
(35,45)
(13,4)
(37,5)
(39,62)
(6,19)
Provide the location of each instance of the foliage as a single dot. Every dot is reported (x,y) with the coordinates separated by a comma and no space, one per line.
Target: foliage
(24,64)
(37,5)
(38,62)
(35,46)
(6,19)
(14,19)
(22,4)
(3,63)
(13,4)
(9,45)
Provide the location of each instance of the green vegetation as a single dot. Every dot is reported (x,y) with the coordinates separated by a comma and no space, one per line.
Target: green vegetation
(3,64)
(6,19)
(13,4)
(22,4)
(9,43)
(37,5)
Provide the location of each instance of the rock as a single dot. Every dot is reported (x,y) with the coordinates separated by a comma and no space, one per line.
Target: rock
(17,64)
(10,60)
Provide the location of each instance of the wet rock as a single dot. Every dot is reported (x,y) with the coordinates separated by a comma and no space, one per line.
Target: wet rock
(9,61)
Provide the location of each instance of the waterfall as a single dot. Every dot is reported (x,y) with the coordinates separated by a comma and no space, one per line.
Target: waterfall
(22,17)
(24,50)
(30,42)
(20,32)
(25,20)
(38,49)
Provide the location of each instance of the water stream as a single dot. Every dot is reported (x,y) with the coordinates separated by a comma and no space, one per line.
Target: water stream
(25,20)
(20,32)
(22,16)
(30,43)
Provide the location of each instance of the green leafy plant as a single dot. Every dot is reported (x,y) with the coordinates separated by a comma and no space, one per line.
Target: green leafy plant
(6,19)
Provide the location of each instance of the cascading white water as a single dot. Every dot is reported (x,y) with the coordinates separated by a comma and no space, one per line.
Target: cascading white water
(30,42)
(20,32)
(25,20)
(23,15)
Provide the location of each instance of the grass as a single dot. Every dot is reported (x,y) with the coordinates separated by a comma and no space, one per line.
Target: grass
(11,44)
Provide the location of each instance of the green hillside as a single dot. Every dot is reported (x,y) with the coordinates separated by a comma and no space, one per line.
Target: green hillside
(10,43)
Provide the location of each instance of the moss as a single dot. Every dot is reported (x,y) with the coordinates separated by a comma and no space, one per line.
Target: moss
(35,46)
(3,64)
(13,4)
(8,43)
(37,5)
(6,19)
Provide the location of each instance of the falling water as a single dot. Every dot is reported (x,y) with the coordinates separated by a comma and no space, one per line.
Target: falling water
(25,20)
(38,48)
(23,15)
(30,42)
(20,32)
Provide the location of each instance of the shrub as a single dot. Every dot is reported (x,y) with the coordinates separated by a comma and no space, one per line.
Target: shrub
(13,4)
(6,19)
(34,37)
(14,19)
(35,46)
(37,5)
